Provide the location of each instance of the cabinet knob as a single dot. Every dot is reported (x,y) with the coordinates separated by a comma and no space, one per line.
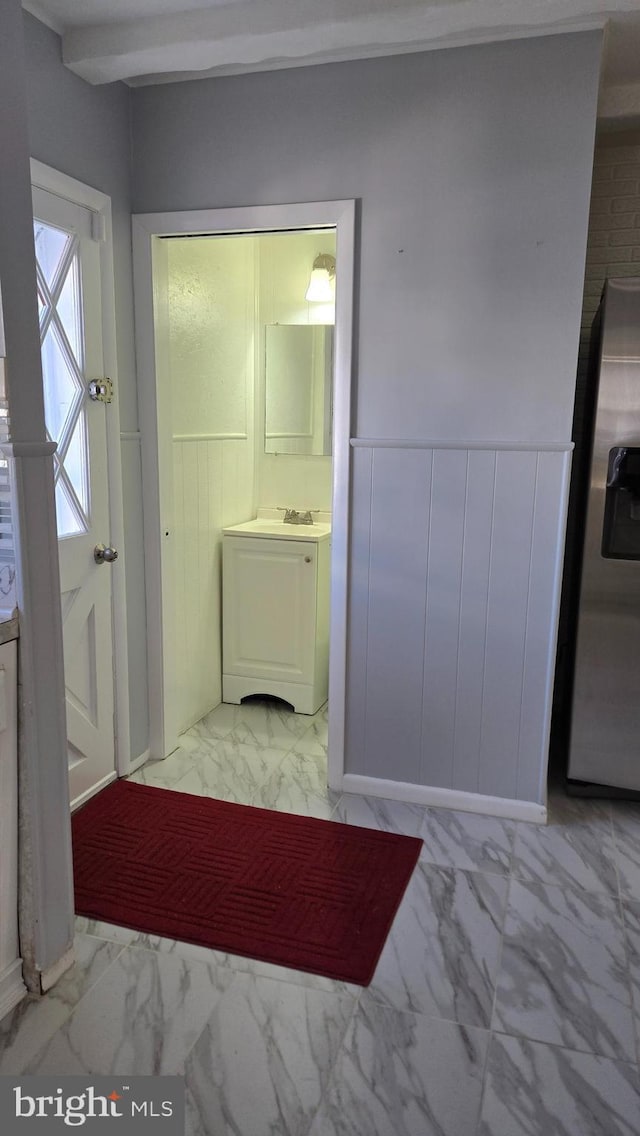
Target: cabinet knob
(307,559)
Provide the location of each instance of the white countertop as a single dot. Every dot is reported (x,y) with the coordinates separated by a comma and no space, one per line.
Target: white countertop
(266,527)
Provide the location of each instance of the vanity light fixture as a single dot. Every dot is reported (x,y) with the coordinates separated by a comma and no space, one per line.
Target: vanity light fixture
(322,282)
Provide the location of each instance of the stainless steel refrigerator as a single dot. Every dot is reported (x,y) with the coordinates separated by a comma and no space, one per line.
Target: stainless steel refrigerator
(604,746)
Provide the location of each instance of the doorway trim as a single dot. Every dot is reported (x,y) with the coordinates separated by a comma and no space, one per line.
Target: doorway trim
(68,188)
(148,228)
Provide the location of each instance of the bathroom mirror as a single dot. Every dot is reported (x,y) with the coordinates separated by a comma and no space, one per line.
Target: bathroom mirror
(298,388)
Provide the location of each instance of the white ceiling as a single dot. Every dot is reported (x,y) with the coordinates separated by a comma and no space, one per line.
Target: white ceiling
(151,41)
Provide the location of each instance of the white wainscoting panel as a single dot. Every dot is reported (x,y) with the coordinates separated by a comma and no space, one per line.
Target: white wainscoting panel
(400,506)
(455,569)
(545,580)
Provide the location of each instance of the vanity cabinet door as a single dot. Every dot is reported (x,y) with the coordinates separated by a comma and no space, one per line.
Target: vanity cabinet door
(269,604)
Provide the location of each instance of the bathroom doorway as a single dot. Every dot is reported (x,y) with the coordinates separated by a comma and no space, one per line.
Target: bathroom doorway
(224,293)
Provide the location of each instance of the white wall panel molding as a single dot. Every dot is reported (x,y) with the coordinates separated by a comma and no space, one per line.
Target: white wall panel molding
(445,798)
(456,444)
(456,563)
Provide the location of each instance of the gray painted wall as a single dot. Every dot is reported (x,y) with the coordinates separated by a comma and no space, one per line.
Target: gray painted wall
(84,131)
(473,179)
(472,168)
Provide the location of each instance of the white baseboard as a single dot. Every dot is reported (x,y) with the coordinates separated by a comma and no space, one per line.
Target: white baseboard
(89,793)
(12,987)
(444,798)
(50,976)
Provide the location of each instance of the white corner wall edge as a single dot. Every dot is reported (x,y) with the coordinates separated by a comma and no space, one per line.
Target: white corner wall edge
(50,976)
(445,798)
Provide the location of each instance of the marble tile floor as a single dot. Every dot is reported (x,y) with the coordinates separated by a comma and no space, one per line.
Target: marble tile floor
(506,1001)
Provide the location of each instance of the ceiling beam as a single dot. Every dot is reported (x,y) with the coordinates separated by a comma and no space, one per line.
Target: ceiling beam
(263,34)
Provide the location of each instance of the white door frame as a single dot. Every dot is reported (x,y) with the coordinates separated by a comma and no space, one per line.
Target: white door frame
(45,177)
(147,228)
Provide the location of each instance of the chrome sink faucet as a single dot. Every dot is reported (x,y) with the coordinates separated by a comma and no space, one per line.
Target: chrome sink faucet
(295,517)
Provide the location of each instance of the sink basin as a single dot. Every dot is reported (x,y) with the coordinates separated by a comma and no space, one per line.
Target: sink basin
(277,528)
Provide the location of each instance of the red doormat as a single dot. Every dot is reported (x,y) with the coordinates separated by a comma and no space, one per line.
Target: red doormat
(305,893)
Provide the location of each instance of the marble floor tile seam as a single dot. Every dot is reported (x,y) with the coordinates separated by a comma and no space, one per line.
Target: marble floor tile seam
(499,966)
(225,965)
(211,761)
(114,960)
(210,957)
(565,887)
(485,1070)
(332,1073)
(486,1078)
(479,869)
(285,751)
(219,745)
(621,906)
(105,974)
(566,893)
(421,1013)
(537,1040)
(333,811)
(71,1009)
(188,1050)
(524,876)
(176,787)
(634,1000)
(104,938)
(619,856)
(564,1048)
(551,823)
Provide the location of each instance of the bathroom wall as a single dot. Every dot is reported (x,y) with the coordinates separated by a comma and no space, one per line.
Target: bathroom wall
(211,307)
(285,261)
(472,179)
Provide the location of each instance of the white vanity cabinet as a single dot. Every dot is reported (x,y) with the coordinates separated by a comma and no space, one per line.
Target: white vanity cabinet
(276,613)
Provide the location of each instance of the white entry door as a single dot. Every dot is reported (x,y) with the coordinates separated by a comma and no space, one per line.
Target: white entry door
(68,265)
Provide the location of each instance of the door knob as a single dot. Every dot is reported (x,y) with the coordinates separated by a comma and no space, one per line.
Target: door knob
(103,555)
